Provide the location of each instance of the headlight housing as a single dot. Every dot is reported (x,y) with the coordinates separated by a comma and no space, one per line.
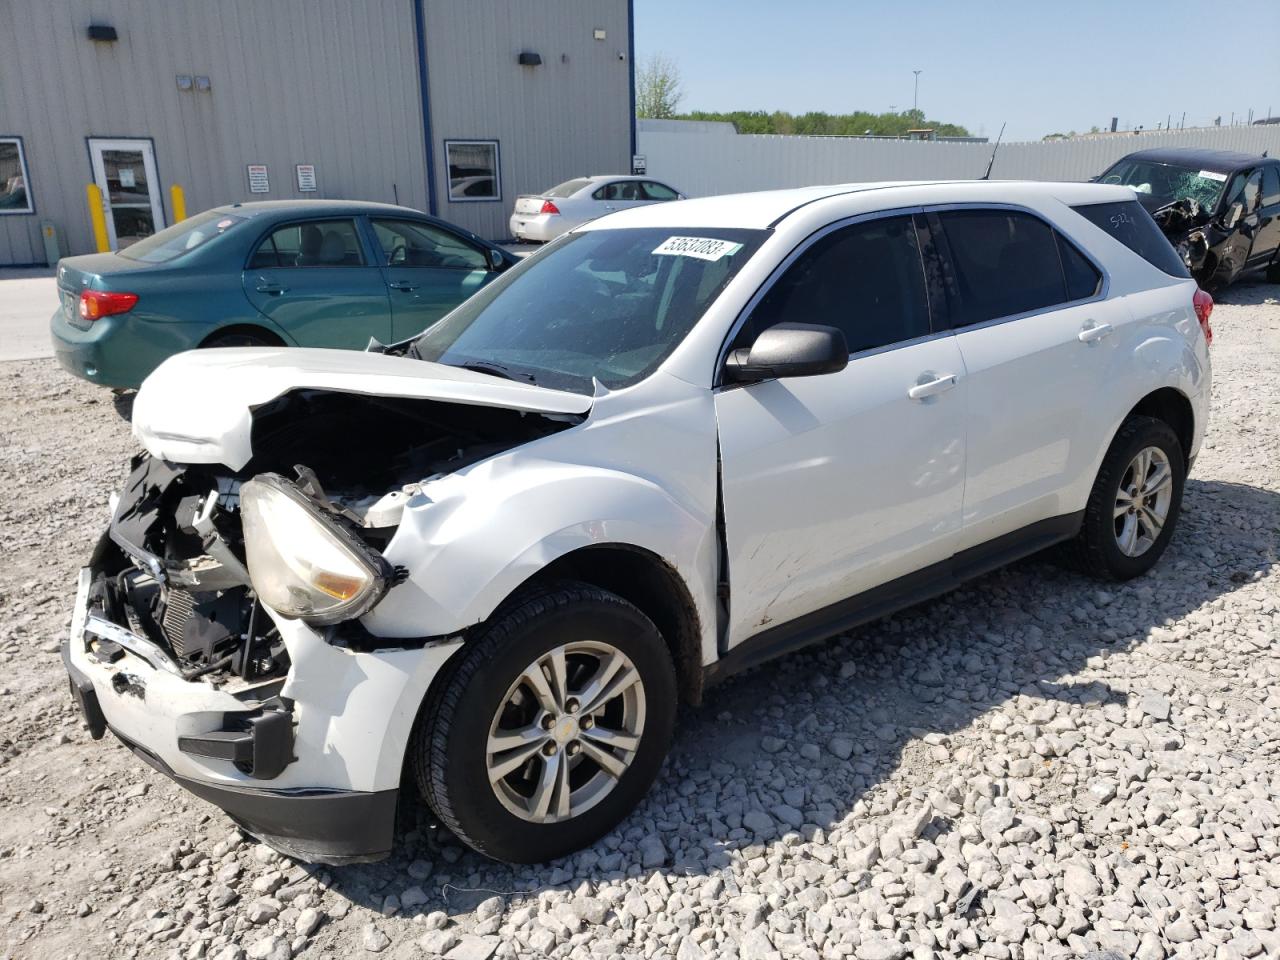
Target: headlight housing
(304,566)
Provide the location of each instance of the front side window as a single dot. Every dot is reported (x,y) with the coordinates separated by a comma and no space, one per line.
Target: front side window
(1244,189)
(473,170)
(1006,263)
(182,237)
(15,196)
(603,305)
(1129,222)
(411,243)
(867,280)
(315,243)
(657,191)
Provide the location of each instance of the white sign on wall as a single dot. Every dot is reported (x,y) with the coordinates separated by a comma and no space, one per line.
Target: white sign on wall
(306,177)
(258,182)
(639,164)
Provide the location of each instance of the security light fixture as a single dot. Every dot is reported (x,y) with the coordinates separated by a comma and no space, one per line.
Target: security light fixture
(598,34)
(184,81)
(203,84)
(103,32)
(529,59)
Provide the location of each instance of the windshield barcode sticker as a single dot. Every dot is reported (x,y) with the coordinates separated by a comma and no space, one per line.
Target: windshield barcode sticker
(1210,175)
(703,248)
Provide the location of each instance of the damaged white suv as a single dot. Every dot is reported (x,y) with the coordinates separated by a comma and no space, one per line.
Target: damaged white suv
(671,445)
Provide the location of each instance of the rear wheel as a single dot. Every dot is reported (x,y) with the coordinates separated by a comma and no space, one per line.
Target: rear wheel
(550,726)
(241,338)
(1134,505)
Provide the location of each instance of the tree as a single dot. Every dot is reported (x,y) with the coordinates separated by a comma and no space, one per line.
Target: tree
(658,90)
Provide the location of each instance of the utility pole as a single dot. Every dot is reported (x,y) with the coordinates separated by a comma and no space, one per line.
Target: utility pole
(915,96)
(1183,122)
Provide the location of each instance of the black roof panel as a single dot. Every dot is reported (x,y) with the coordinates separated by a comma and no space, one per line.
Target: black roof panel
(1219,161)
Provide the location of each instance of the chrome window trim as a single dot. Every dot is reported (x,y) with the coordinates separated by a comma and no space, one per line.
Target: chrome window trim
(776,273)
(1102,294)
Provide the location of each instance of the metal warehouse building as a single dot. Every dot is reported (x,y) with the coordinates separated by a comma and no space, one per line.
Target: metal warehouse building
(449,106)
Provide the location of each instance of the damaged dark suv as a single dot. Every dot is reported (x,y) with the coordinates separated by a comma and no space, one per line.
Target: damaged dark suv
(1219,209)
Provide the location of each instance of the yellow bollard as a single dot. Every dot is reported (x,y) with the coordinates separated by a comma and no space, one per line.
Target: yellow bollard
(178,201)
(97,217)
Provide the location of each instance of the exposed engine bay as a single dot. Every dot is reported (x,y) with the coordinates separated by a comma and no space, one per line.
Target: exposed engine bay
(172,567)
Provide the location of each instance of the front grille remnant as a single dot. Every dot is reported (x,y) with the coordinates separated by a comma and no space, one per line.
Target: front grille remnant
(177,611)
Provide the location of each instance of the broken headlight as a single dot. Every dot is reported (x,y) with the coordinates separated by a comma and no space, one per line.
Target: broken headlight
(303,565)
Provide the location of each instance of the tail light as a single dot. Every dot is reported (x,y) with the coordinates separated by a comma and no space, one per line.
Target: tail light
(95,304)
(1203,304)
(549,207)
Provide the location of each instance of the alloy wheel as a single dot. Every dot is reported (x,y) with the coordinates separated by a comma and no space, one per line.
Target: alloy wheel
(1142,501)
(566,731)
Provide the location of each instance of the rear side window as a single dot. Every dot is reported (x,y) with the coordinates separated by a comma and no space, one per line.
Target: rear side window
(1006,262)
(1270,186)
(567,189)
(1128,222)
(866,279)
(317,243)
(1083,278)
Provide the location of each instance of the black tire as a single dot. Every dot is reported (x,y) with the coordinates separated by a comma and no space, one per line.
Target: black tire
(1273,270)
(448,749)
(1095,550)
(240,338)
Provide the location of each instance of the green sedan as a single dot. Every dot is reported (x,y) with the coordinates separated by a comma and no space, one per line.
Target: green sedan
(308,273)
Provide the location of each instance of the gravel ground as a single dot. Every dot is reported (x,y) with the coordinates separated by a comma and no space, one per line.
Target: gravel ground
(1033,766)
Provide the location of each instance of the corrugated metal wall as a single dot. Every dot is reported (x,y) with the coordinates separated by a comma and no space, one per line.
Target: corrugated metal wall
(568,116)
(703,163)
(293,81)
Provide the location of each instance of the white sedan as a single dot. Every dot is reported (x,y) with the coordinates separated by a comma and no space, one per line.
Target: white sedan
(544,216)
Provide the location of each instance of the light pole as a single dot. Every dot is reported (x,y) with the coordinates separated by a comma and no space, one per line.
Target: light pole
(915,96)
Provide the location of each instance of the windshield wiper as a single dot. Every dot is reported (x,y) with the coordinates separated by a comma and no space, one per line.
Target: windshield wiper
(496,370)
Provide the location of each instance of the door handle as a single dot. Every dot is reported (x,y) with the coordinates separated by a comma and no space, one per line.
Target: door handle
(1095,331)
(609,206)
(931,388)
(274,289)
(402,285)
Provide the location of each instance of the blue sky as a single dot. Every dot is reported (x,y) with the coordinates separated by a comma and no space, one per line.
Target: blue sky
(1042,67)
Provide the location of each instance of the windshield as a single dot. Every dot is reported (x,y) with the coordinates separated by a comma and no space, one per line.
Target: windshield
(604,304)
(181,238)
(1167,182)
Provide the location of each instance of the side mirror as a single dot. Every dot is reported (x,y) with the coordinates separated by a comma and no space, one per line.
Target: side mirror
(496,260)
(1234,213)
(789,350)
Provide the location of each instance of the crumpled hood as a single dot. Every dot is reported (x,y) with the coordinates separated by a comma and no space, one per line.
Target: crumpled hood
(197,407)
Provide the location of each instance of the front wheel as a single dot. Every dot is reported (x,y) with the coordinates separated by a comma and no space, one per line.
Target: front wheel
(551,724)
(1134,505)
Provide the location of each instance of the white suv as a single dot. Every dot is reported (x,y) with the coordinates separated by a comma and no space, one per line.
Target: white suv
(671,445)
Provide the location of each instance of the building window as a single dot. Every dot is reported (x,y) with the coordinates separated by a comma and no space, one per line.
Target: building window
(14,194)
(473,170)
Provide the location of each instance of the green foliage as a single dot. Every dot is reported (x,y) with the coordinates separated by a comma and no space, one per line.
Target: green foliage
(815,123)
(658,90)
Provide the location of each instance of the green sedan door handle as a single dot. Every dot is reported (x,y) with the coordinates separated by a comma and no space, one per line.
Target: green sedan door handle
(274,289)
(402,285)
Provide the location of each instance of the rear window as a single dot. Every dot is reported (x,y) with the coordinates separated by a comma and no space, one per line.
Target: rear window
(181,238)
(567,189)
(1128,222)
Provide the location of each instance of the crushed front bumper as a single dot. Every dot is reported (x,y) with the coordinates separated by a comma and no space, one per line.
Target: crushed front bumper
(310,764)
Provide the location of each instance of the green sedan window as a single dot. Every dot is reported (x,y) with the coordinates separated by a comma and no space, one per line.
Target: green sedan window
(315,243)
(182,237)
(410,243)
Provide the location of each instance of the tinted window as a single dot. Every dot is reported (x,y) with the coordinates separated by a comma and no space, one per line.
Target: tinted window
(411,243)
(1129,223)
(1083,278)
(866,279)
(317,243)
(181,238)
(1270,186)
(1245,189)
(657,191)
(1006,263)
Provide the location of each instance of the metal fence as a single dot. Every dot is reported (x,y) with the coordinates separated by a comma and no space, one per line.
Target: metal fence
(705,158)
